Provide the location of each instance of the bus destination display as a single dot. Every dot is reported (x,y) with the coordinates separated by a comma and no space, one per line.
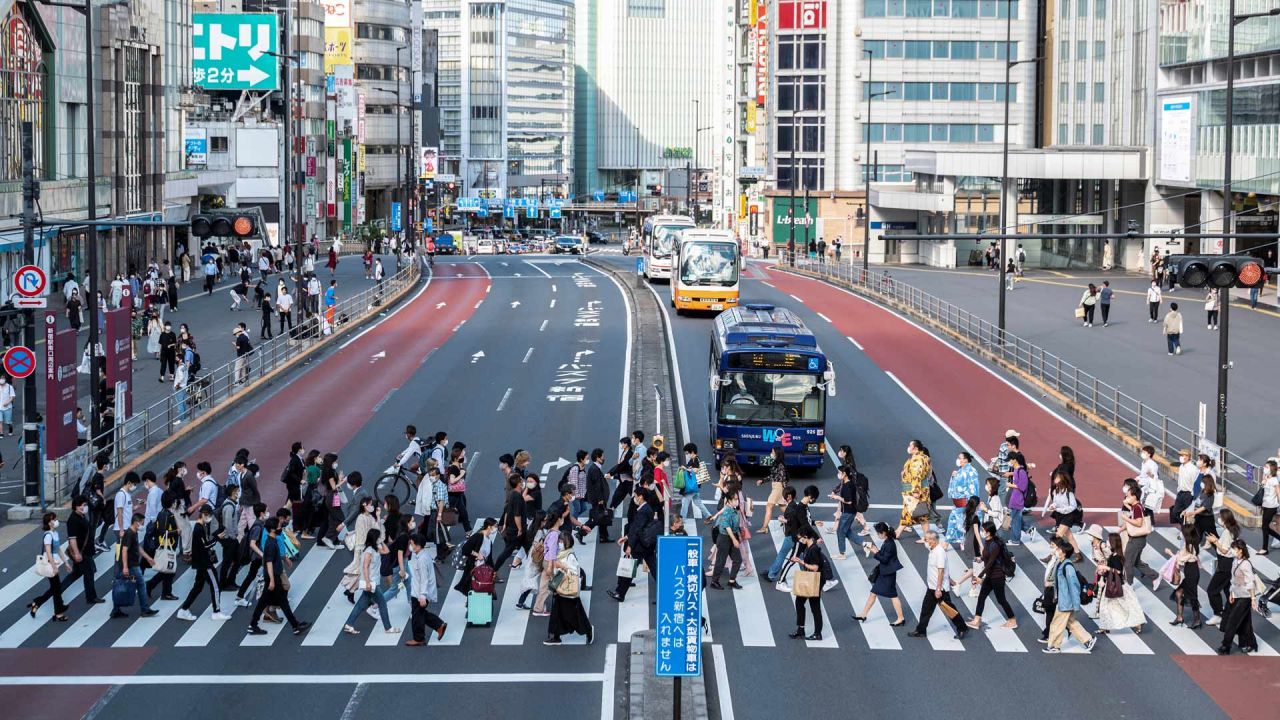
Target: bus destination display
(772,361)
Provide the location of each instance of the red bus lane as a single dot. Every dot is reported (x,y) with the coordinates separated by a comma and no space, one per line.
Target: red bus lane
(975,403)
(327,406)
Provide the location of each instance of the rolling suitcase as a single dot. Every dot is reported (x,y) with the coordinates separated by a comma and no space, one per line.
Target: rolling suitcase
(479,609)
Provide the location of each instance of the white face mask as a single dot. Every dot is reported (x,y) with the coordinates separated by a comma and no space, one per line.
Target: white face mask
(959,462)
(531,484)
(54,525)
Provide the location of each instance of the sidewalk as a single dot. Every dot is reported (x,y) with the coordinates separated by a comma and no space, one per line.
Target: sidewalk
(211,321)
(1131,353)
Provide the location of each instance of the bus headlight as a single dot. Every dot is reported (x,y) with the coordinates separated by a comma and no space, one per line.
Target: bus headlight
(813,447)
(684,298)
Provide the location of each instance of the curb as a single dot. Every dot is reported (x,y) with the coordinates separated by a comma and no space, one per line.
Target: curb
(27,512)
(1247,515)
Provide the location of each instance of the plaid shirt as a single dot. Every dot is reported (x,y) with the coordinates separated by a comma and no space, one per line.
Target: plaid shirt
(439,492)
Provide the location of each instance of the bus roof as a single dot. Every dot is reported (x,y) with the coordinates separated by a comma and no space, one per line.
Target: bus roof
(655,220)
(708,235)
(762,325)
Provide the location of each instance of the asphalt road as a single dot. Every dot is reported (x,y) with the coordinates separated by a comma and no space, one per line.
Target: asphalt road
(533,319)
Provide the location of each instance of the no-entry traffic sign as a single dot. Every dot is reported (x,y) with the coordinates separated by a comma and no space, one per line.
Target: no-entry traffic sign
(30,281)
(19,361)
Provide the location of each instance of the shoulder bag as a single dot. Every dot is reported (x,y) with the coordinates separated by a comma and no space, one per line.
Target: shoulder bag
(807,583)
(44,568)
(165,560)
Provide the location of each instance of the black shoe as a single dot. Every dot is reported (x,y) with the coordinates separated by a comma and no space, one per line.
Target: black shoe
(301,627)
(150,613)
(799,633)
(614,594)
(96,601)
(607,541)
(1223,651)
(255,630)
(734,584)
(961,633)
(715,584)
(815,636)
(915,633)
(591,634)
(351,597)
(168,597)
(117,614)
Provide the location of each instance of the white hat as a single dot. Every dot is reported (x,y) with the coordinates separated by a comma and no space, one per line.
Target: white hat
(1012,433)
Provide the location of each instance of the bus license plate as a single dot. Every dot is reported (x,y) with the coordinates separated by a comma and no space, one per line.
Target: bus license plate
(717,306)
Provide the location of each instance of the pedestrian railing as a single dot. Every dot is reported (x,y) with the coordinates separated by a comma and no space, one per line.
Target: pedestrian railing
(211,390)
(1102,403)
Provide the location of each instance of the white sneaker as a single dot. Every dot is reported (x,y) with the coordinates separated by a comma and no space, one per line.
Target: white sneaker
(185,615)
(241,602)
(1213,621)
(393,631)
(1178,350)
(371,612)
(221,616)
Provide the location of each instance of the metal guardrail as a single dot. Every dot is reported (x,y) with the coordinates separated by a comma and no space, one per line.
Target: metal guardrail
(1125,415)
(212,389)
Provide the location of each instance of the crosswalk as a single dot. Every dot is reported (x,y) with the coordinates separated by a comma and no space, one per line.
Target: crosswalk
(755,616)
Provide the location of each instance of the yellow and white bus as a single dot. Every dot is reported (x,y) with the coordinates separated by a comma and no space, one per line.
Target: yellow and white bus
(659,243)
(705,269)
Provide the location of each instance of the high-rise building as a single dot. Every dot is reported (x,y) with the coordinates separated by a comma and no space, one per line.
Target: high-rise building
(506,88)
(382,54)
(655,98)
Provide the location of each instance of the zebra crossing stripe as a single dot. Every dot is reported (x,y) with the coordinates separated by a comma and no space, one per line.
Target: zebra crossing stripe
(829,639)
(876,629)
(633,611)
(912,589)
(511,624)
(1124,639)
(142,629)
(26,626)
(301,579)
(1002,640)
(586,552)
(454,609)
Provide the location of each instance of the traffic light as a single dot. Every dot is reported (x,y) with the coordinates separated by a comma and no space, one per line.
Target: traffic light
(1218,271)
(655,190)
(235,225)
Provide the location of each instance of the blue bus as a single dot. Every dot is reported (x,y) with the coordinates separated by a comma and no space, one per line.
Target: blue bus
(769,382)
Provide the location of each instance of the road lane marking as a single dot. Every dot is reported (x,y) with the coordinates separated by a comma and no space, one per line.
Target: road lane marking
(940,633)
(610,678)
(824,317)
(543,326)
(503,402)
(798,299)
(722,683)
(479,303)
(453,610)
(553,302)
(675,366)
(855,342)
(1001,639)
(328,624)
(458,327)
(527,355)
(392,314)
(308,679)
(26,626)
(535,267)
(626,366)
(767,283)
(633,611)
(553,287)
(512,623)
(586,552)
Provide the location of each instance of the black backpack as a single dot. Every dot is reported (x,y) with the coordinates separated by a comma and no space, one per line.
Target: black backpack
(220,495)
(1030,498)
(195,363)
(862,492)
(1006,562)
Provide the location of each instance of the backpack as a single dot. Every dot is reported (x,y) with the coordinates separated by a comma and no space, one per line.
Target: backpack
(246,550)
(538,552)
(221,512)
(195,363)
(220,496)
(649,536)
(862,492)
(1030,498)
(1006,562)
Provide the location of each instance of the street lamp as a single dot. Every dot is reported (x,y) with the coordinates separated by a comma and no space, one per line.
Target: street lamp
(867,170)
(286,214)
(1228,141)
(1009,64)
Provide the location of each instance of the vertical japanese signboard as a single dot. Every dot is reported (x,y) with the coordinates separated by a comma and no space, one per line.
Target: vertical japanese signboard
(120,358)
(679,616)
(346,185)
(762,55)
(59,388)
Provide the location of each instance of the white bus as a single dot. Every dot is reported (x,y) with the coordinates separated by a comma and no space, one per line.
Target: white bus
(659,243)
(705,270)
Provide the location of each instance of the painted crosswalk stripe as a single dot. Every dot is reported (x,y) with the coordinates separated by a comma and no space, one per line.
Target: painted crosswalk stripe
(633,611)
(301,578)
(511,623)
(853,578)
(753,617)
(398,612)
(586,552)
(829,638)
(328,624)
(1187,640)
(140,631)
(26,626)
(205,627)
(1027,590)
(20,587)
(1001,639)
(912,589)
(453,610)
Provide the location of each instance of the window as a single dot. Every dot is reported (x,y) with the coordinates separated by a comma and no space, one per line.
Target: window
(1064,94)
(964,8)
(915,132)
(918,49)
(1004,8)
(919,8)
(786,95)
(1082,49)
(1080,93)
(893,49)
(961,92)
(1064,49)
(1082,8)
(815,53)
(988,8)
(786,52)
(1099,49)
(987,50)
(1099,92)
(938,132)
(218,143)
(1079,132)
(1097,134)
(647,8)
(941,91)
(986,133)
(1066,8)
(964,50)
(814,94)
(917,91)
(875,129)
(784,136)
(1062,133)
(941,49)
(1100,9)
(962,133)
(986,92)
(873,8)
(875,47)
(941,8)
(893,88)
(1013,92)
(484,112)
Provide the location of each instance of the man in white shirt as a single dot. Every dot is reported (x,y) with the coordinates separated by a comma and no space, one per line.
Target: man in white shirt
(938,591)
(7,396)
(123,510)
(1187,474)
(154,496)
(208,492)
(1149,481)
(410,459)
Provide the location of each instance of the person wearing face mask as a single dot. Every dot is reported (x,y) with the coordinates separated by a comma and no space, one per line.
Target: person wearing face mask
(55,557)
(1136,525)
(1067,580)
(964,485)
(513,522)
(915,489)
(1187,474)
(1149,481)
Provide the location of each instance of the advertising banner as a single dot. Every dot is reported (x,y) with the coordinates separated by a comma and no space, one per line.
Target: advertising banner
(120,357)
(337,47)
(195,145)
(429,163)
(337,13)
(59,388)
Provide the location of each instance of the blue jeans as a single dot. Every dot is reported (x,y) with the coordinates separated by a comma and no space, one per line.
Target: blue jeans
(139,585)
(1175,341)
(181,396)
(1015,525)
(366,598)
(844,529)
(693,498)
(783,553)
(580,507)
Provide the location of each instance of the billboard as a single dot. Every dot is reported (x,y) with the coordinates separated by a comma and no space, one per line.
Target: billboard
(118,346)
(235,51)
(1177,139)
(337,13)
(195,145)
(337,47)
(762,55)
(430,162)
(802,14)
(59,388)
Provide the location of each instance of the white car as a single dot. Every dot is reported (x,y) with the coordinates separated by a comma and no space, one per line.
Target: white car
(486,246)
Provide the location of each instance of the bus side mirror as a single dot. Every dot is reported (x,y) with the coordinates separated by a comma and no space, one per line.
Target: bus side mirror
(830,377)
(715,383)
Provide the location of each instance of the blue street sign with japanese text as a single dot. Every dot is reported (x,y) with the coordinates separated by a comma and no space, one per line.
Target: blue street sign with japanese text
(597,195)
(678,624)
(430,224)
(395,217)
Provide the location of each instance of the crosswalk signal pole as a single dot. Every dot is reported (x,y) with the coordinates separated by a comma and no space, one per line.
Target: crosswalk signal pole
(30,418)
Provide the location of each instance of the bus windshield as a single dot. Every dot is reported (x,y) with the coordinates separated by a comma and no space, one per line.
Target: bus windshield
(664,238)
(765,398)
(708,264)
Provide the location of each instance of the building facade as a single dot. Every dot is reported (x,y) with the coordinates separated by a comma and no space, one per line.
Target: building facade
(506,94)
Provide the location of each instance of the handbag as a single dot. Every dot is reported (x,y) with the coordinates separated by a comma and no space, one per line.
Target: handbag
(1080,311)
(284,581)
(165,560)
(449,517)
(935,492)
(627,567)
(44,568)
(807,583)
(122,591)
(1037,606)
(1257,497)
(1113,586)
(1142,530)
(920,510)
(874,575)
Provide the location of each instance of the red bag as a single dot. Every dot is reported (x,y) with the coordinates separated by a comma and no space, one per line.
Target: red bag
(482,579)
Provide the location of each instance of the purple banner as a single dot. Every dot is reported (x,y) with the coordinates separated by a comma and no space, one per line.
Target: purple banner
(59,388)
(120,357)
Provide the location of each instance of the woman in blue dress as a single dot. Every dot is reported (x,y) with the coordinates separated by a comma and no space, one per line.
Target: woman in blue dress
(884,577)
(964,484)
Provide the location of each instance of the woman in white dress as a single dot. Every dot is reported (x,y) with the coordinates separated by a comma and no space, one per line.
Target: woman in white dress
(154,328)
(1118,606)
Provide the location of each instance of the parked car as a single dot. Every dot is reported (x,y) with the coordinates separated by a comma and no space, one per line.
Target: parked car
(596,238)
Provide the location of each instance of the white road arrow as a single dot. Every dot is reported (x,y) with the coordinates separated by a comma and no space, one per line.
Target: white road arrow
(578,355)
(550,467)
(515,304)
(476,358)
(379,356)
(440,305)
(253,75)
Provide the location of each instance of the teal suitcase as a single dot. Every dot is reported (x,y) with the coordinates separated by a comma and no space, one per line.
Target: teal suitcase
(479,609)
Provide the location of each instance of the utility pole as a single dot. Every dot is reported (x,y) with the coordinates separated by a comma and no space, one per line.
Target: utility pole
(866,173)
(30,420)
(91,231)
